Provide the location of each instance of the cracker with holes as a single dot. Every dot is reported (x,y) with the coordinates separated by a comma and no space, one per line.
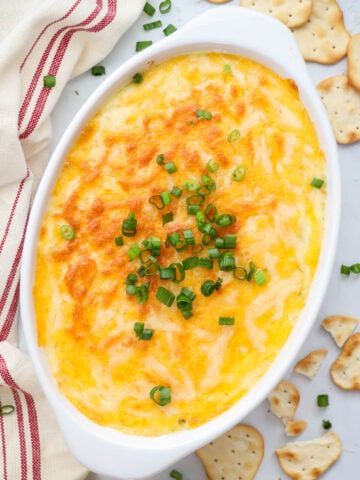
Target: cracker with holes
(342,103)
(324,38)
(292,13)
(345,371)
(284,400)
(295,427)
(236,454)
(308,460)
(354,61)
(310,364)
(340,327)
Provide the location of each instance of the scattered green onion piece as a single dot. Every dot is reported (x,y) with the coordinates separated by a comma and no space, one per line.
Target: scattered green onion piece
(149,9)
(98,70)
(211,212)
(211,166)
(165,6)
(240,273)
(169,29)
(131,279)
(190,262)
(227,68)
(225,219)
(191,185)
(176,192)
(167,217)
(345,269)
(203,114)
(152,267)
(200,219)
(206,263)
(152,242)
(259,277)
(323,400)
(355,268)
(189,293)
(326,424)
(226,261)
(49,81)
(183,302)
(166,198)
(179,272)
(196,199)
(142,293)
(209,182)
(131,289)
(204,190)
(141,271)
(147,334)
(196,248)
(226,320)
(233,135)
(119,241)
(192,209)
(230,241)
(213,252)
(209,287)
(152,25)
(67,232)
(165,296)
(160,395)
(175,474)
(129,226)
(138,329)
(170,167)
(220,242)
(238,173)
(6,409)
(208,229)
(160,159)
(174,238)
(189,237)
(251,271)
(145,256)
(134,251)
(317,182)
(141,45)
(157,201)
(167,273)
(138,78)
(187,313)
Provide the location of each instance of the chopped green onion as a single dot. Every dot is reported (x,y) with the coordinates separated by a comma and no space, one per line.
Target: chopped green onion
(225,219)
(138,329)
(157,201)
(165,296)
(251,271)
(317,182)
(190,262)
(259,277)
(233,135)
(167,217)
(175,474)
(326,424)
(209,182)
(323,400)
(230,241)
(227,68)
(213,252)
(192,209)
(131,279)
(161,395)
(240,273)
(211,212)
(167,273)
(238,174)
(160,159)
(345,269)
(179,272)
(170,167)
(67,232)
(131,289)
(209,287)
(176,192)
(189,293)
(141,45)
(152,243)
(226,320)
(49,81)
(147,334)
(6,409)
(203,114)
(165,196)
(196,199)
(189,237)
(226,261)
(220,242)
(196,248)
(98,70)
(206,263)
(142,293)
(149,9)
(138,78)
(134,251)
(165,6)
(169,30)
(152,25)
(191,185)
(211,166)
(119,241)
(129,226)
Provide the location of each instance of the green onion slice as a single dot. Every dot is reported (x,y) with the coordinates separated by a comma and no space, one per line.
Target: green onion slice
(157,201)
(129,226)
(317,182)
(167,217)
(240,273)
(226,261)
(227,68)
(176,192)
(167,273)
(179,272)
(165,296)
(67,232)
(152,25)
(226,320)
(233,135)
(203,114)
(49,81)
(138,78)
(169,29)
(191,185)
(175,474)
(225,219)
(149,9)
(326,424)
(134,251)
(141,45)
(238,174)
(170,167)
(119,241)
(323,400)
(160,395)
(160,159)
(190,262)
(165,6)
(259,277)
(211,166)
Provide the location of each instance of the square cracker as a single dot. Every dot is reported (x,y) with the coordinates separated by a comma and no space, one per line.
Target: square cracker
(309,459)
(236,454)
(324,38)
(340,327)
(342,103)
(292,13)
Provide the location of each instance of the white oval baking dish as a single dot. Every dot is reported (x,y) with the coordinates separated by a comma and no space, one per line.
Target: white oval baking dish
(230,29)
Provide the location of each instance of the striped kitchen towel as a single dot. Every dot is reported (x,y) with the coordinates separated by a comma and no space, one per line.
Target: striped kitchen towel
(37,38)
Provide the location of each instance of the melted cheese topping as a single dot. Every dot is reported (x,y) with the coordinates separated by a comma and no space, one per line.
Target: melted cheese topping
(85,318)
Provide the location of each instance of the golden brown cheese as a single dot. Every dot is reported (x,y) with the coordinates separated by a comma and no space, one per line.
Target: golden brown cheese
(85,318)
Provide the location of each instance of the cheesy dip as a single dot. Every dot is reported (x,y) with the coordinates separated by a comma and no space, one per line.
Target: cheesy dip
(180,243)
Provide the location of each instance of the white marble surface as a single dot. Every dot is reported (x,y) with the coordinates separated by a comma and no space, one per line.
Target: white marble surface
(343,293)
